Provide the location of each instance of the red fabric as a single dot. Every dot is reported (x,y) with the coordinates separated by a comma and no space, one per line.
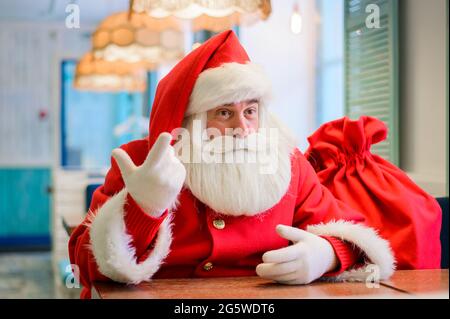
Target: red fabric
(142,227)
(392,203)
(346,253)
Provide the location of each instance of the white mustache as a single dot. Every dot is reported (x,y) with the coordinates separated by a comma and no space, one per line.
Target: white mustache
(225,143)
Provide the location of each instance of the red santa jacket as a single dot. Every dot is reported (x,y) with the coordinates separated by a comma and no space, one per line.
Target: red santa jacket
(120,242)
(195,241)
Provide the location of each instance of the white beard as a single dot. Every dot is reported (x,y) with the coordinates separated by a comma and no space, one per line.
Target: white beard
(238,189)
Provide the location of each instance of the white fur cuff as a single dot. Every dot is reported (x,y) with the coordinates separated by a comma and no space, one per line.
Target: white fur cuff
(378,251)
(112,246)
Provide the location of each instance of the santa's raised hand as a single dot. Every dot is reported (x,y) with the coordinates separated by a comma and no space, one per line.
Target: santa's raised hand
(155,184)
(306,260)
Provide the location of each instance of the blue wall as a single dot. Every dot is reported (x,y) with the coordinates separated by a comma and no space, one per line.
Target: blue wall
(24,207)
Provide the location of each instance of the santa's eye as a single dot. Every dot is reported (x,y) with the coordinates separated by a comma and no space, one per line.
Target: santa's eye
(251,111)
(223,114)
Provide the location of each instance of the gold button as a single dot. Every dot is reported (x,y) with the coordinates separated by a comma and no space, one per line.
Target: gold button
(219,223)
(208,266)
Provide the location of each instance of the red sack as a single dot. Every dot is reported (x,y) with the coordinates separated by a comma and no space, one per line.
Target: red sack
(393,204)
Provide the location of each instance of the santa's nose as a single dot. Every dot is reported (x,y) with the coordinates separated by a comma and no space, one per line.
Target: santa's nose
(241,127)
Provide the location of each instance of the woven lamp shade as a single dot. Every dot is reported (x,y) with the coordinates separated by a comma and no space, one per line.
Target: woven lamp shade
(138,38)
(105,76)
(212,15)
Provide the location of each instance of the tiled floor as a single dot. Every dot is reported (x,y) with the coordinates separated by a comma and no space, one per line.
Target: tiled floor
(26,275)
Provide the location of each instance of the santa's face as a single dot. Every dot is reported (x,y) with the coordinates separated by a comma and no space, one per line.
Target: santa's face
(245,177)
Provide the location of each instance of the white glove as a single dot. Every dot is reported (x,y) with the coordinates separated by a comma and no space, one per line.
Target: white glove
(155,184)
(301,263)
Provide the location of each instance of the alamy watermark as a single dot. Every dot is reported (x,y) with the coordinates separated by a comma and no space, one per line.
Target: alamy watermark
(373,279)
(373,19)
(72,20)
(72,279)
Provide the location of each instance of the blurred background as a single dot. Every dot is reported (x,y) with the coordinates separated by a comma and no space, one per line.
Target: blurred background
(77,79)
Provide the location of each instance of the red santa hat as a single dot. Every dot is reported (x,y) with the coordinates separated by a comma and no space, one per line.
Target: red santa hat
(217,72)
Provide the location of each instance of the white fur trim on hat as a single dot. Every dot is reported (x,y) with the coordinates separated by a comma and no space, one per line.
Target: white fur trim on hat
(229,83)
(112,246)
(381,262)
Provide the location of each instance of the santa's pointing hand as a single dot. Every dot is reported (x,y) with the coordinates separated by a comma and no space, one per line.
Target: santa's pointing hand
(307,259)
(155,184)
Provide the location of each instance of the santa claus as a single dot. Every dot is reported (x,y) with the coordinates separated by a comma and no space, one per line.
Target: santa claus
(164,214)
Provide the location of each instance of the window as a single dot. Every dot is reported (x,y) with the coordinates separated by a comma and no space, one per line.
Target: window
(371,69)
(330,65)
(93,123)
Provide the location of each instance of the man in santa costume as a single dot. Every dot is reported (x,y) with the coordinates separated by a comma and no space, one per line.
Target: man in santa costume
(159,216)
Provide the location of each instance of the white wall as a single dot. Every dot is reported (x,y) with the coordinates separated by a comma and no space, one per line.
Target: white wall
(290,61)
(33,75)
(30,84)
(423,32)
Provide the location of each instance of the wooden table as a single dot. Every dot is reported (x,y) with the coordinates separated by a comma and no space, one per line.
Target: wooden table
(403,284)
